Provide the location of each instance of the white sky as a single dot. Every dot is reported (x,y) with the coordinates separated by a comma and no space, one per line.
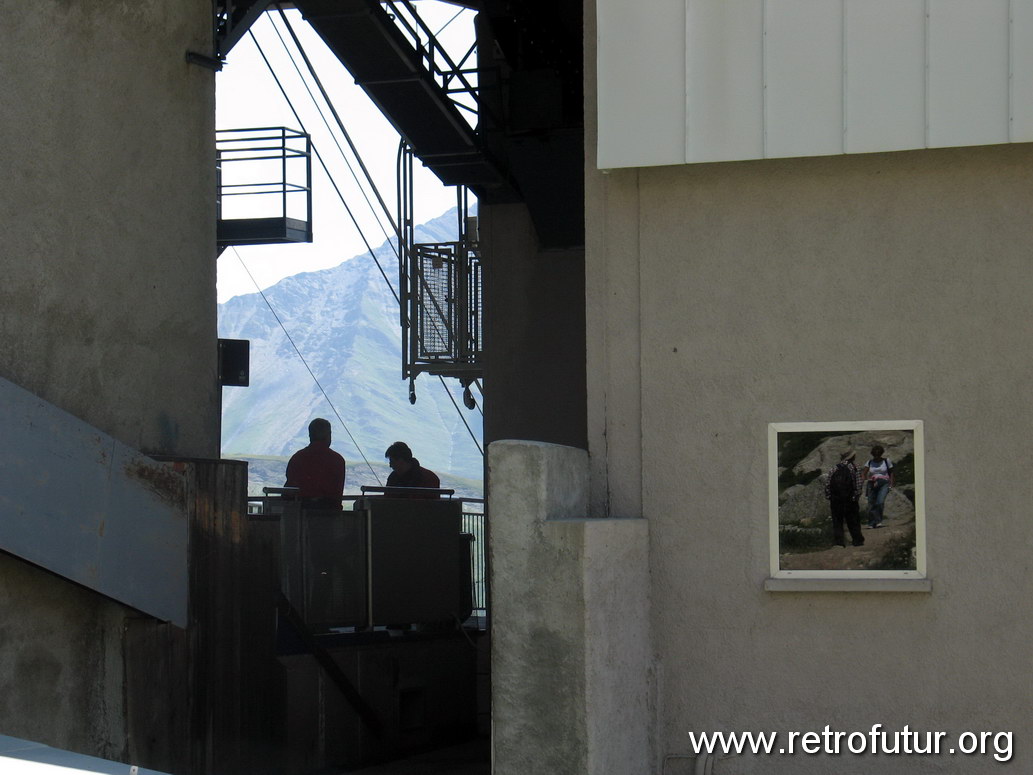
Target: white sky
(247,96)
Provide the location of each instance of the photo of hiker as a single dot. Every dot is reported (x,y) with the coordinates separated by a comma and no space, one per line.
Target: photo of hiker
(828,479)
(878,479)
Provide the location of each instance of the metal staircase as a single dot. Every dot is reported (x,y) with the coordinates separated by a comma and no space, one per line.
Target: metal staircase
(397,60)
(508,125)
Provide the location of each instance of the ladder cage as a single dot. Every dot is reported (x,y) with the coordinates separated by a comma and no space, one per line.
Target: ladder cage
(441,292)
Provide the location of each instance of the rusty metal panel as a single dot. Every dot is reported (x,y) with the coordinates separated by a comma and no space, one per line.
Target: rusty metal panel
(83,505)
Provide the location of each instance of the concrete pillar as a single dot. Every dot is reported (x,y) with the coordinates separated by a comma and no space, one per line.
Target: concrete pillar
(571,647)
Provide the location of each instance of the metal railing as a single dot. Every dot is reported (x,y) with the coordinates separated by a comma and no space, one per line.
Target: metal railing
(263,172)
(474,522)
(458,81)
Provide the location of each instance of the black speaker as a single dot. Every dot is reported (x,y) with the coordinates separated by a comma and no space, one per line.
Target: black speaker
(234,362)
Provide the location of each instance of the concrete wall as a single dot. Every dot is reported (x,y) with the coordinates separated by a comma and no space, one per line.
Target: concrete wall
(61,675)
(107,302)
(718,299)
(571,682)
(107,306)
(534,332)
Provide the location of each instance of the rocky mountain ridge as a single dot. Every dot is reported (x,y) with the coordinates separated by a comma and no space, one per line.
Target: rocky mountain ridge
(345,322)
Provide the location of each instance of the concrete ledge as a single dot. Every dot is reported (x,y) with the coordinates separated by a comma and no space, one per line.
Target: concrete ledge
(848,585)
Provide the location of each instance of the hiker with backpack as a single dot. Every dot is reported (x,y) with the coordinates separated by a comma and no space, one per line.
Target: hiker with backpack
(843,489)
(878,478)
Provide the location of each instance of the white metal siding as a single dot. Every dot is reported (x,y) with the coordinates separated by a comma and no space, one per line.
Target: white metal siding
(803,78)
(774,78)
(644,68)
(1021,92)
(968,72)
(884,70)
(724,74)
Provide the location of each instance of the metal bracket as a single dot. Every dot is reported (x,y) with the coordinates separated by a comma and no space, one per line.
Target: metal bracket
(212,63)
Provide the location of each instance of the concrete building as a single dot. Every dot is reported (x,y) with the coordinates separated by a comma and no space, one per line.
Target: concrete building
(107,314)
(761,182)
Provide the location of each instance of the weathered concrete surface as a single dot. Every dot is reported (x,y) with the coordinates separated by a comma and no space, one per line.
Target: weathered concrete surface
(81,504)
(107,311)
(60,662)
(534,336)
(107,305)
(750,275)
(570,648)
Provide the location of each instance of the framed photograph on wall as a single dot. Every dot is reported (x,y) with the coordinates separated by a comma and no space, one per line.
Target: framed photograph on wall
(847,500)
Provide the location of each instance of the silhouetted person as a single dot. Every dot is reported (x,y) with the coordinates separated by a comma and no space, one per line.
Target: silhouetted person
(406,471)
(317,471)
(843,488)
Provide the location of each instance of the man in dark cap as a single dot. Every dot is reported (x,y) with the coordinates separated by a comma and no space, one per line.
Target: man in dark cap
(406,471)
(843,489)
(316,470)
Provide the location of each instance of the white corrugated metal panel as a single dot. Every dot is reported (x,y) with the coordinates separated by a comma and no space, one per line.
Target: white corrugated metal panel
(725,95)
(968,72)
(1021,49)
(641,83)
(803,78)
(776,78)
(885,70)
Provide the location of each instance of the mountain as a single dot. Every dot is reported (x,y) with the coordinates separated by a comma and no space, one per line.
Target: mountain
(344,321)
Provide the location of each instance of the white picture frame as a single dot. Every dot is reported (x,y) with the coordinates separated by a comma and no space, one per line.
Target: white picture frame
(800,455)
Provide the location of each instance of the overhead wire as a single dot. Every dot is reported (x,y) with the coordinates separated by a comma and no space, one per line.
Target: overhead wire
(307,367)
(369,180)
(461,416)
(326,98)
(445,25)
(322,115)
(337,118)
(322,163)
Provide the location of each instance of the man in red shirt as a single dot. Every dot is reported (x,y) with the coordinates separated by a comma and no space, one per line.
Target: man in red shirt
(317,471)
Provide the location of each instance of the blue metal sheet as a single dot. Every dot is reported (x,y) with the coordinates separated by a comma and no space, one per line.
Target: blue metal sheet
(83,505)
(12,748)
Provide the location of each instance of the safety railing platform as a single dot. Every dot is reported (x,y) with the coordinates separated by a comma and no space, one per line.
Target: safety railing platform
(264,186)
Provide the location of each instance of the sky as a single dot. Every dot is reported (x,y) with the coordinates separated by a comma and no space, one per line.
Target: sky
(247,96)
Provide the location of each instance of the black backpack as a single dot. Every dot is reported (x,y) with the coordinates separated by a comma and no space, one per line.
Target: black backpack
(841,483)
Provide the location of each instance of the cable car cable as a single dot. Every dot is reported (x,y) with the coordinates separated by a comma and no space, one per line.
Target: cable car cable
(322,163)
(297,117)
(340,124)
(333,136)
(307,367)
(461,416)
